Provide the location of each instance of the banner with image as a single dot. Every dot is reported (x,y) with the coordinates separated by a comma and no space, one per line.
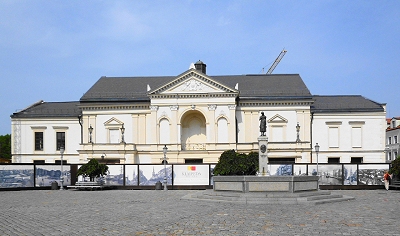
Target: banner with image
(191,175)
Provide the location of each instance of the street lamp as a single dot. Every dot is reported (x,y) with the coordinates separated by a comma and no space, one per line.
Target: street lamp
(316,151)
(61,176)
(165,149)
(90,133)
(123,132)
(298,130)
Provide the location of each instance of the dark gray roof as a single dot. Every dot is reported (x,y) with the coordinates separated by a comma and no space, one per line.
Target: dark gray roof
(135,88)
(50,109)
(343,103)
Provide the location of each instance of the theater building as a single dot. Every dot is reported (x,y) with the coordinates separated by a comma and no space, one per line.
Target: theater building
(198,116)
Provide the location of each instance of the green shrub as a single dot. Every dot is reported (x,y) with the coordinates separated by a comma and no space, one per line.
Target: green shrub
(232,163)
(395,167)
(92,169)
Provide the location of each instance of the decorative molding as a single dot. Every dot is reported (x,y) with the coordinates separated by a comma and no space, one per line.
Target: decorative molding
(356,122)
(113,122)
(38,127)
(333,123)
(192,95)
(60,127)
(232,107)
(285,103)
(164,114)
(114,107)
(277,119)
(212,107)
(194,75)
(153,108)
(193,106)
(174,107)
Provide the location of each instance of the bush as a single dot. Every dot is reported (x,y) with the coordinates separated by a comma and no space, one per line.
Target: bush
(92,169)
(232,163)
(395,167)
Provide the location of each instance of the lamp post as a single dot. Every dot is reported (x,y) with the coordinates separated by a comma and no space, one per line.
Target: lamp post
(90,133)
(165,149)
(122,134)
(61,176)
(316,151)
(298,131)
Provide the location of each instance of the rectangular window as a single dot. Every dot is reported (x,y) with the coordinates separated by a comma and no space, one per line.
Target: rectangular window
(395,139)
(333,160)
(38,162)
(60,140)
(356,160)
(333,136)
(277,133)
(390,140)
(356,136)
(114,135)
(38,141)
(395,155)
(389,156)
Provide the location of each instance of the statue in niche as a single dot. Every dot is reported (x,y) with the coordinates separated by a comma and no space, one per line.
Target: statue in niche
(263,124)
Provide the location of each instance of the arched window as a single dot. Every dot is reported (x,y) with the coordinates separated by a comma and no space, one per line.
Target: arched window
(222,124)
(164,131)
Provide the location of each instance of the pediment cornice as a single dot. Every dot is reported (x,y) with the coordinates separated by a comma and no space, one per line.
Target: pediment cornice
(194,83)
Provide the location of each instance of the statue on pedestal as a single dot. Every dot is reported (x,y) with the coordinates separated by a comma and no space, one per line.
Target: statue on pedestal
(263,124)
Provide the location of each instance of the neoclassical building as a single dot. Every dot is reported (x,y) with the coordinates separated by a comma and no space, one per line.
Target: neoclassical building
(197,117)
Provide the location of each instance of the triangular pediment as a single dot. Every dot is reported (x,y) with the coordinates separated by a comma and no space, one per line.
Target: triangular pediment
(193,82)
(113,122)
(277,119)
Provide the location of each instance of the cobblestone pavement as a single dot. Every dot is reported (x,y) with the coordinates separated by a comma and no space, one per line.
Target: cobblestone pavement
(151,212)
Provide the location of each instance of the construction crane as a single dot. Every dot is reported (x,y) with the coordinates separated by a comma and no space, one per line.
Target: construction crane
(276,62)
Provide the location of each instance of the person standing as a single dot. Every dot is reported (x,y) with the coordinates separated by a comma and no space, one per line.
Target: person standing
(386,178)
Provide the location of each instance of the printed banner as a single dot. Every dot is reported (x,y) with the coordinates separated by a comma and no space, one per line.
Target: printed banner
(191,175)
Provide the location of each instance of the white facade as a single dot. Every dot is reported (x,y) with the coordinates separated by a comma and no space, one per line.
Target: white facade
(198,117)
(392,139)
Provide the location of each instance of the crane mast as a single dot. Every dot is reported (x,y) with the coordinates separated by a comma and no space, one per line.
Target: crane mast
(276,62)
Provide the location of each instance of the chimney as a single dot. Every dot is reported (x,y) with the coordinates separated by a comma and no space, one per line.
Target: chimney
(200,66)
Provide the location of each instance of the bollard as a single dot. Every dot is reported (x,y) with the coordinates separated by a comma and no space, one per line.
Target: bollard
(158,185)
(54,185)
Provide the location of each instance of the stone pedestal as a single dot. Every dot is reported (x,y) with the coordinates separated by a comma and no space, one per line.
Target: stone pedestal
(263,156)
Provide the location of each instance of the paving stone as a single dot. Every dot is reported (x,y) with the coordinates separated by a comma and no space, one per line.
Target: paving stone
(151,212)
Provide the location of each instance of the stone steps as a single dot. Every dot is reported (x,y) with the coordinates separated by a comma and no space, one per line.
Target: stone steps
(284,198)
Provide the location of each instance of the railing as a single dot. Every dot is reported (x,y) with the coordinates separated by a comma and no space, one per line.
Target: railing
(193,146)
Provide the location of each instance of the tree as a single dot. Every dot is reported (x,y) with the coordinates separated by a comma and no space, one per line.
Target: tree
(92,169)
(5,146)
(232,163)
(395,167)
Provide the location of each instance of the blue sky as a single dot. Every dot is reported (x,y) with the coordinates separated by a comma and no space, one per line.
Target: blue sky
(56,50)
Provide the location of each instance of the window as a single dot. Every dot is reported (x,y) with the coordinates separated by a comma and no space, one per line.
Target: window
(193,161)
(222,125)
(390,140)
(164,131)
(333,136)
(395,139)
(38,161)
(114,135)
(333,160)
(356,136)
(58,162)
(282,160)
(277,133)
(38,141)
(60,140)
(356,160)
(395,155)
(389,156)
